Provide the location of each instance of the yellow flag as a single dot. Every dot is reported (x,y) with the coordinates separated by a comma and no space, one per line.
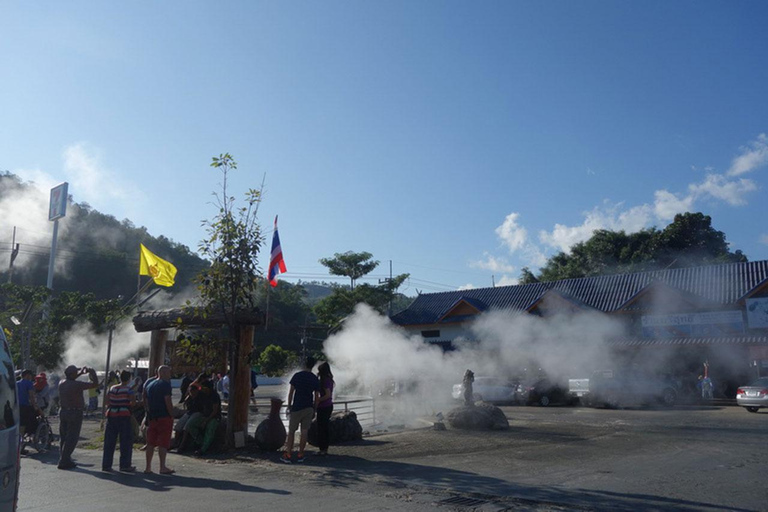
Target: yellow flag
(163,272)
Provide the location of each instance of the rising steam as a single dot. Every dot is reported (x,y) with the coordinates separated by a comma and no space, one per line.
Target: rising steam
(371,353)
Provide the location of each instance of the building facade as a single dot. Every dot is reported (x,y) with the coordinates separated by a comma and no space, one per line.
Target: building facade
(716,314)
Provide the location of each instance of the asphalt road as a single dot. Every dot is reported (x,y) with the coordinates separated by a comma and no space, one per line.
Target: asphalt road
(558,458)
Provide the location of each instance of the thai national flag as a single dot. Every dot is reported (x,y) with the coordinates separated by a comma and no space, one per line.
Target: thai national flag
(276,262)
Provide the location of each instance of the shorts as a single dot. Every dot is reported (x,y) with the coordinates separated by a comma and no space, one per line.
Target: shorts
(159,432)
(302,417)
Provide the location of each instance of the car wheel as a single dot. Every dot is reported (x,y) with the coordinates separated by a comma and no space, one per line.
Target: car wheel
(669,397)
(544,401)
(753,409)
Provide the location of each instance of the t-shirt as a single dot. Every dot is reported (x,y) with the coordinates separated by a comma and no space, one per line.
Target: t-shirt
(22,389)
(327,384)
(305,383)
(156,392)
(71,394)
(119,401)
(209,399)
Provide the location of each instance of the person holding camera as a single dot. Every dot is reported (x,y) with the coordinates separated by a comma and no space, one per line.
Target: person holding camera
(72,408)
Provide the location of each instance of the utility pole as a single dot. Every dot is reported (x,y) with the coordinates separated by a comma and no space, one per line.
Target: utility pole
(14,253)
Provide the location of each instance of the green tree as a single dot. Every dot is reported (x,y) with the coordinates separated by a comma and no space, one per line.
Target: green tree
(353,265)
(527,277)
(47,333)
(274,360)
(341,303)
(229,285)
(689,240)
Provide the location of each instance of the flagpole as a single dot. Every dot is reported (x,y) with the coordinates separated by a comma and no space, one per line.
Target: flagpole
(266,317)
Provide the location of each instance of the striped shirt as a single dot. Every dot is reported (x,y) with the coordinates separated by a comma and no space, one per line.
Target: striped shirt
(119,401)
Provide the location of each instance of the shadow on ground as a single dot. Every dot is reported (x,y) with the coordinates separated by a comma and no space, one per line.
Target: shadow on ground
(346,471)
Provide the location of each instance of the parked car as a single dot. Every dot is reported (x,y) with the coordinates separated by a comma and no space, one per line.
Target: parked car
(490,389)
(754,396)
(545,392)
(9,429)
(611,389)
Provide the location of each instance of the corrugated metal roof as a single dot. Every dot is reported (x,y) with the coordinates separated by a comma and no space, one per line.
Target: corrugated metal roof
(719,284)
(725,340)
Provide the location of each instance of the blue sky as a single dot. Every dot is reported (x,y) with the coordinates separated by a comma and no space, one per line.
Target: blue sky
(461,140)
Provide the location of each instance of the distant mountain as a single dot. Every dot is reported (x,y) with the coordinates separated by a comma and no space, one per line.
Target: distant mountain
(96,252)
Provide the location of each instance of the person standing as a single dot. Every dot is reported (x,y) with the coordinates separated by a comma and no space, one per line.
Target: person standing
(160,418)
(302,399)
(72,408)
(225,386)
(28,408)
(120,401)
(324,407)
(184,387)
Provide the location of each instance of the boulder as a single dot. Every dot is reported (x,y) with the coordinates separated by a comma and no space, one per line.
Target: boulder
(344,427)
(480,416)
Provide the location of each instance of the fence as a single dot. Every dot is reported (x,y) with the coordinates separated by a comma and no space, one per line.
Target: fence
(363,406)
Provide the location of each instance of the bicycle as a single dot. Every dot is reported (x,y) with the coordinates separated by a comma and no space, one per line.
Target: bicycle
(41,437)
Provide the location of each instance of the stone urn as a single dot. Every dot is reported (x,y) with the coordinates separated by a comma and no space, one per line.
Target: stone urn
(270,434)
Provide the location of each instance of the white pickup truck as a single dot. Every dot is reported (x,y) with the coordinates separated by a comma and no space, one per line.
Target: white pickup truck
(604,388)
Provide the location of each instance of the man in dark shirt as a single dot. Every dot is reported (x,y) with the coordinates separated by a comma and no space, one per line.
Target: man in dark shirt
(160,418)
(72,407)
(302,401)
(203,427)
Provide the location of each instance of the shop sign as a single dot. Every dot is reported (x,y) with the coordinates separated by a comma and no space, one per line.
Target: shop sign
(712,323)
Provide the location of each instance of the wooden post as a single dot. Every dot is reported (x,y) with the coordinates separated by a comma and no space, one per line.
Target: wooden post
(157,350)
(240,384)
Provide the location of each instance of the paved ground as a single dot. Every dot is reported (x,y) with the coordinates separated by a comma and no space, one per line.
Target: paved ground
(560,458)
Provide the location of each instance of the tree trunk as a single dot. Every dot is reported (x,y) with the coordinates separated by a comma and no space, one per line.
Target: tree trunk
(239,384)
(156,350)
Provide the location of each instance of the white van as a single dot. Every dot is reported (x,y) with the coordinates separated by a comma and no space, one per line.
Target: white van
(9,430)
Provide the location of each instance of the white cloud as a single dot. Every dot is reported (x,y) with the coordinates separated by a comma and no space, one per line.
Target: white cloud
(720,187)
(752,156)
(666,204)
(468,286)
(610,216)
(493,264)
(511,233)
(507,281)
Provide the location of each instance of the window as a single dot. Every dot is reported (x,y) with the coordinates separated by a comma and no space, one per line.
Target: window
(430,334)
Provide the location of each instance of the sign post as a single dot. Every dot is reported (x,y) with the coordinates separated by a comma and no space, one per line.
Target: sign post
(56,210)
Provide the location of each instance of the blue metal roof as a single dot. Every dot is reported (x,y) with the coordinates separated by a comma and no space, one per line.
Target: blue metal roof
(720,284)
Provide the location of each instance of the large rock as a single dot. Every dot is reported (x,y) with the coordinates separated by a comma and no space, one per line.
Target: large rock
(477,417)
(344,427)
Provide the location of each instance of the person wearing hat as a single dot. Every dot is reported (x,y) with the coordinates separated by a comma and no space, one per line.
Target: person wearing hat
(72,407)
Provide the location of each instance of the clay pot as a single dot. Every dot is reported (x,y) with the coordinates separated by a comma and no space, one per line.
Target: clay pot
(270,434)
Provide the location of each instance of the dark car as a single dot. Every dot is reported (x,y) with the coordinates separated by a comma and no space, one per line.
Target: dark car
(754,396)
(545,392)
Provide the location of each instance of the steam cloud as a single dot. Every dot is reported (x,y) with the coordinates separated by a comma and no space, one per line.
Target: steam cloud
(86,348)
(371,352)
